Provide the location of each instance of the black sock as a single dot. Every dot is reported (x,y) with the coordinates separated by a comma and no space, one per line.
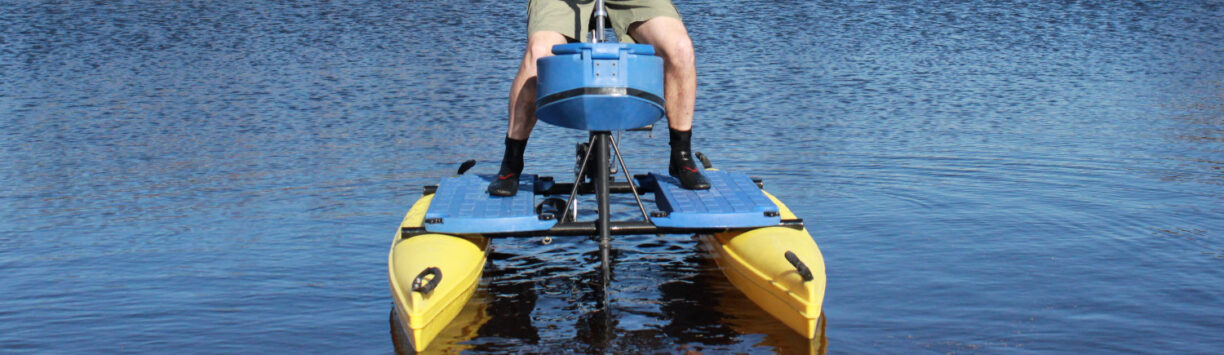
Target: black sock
(512,160)
(680,143)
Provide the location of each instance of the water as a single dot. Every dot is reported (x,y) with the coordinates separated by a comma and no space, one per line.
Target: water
(982,177)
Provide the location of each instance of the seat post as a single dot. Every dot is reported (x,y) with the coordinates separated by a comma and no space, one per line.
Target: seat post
(600,15)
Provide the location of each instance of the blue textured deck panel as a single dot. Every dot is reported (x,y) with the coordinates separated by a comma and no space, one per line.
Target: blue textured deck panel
(465,207)
(733,201)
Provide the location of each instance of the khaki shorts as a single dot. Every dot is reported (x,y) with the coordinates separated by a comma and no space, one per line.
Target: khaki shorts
(571,17)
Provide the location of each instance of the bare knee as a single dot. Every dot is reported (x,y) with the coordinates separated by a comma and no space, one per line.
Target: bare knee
(670,39)
(538,50)
(678,52)
(539,44)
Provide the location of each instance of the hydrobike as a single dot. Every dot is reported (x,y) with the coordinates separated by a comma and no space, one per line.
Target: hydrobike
(440,249)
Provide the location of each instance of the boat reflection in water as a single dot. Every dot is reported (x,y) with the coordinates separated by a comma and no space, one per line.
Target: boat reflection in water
(751,321)
(453,338)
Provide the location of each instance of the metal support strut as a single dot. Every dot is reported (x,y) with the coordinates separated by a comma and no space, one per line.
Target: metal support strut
(602,196)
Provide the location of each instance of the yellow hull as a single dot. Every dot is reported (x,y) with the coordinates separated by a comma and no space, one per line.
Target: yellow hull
(460,260)
(754,262)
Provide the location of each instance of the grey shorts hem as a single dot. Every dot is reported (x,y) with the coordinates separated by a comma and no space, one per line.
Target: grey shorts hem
(571,17)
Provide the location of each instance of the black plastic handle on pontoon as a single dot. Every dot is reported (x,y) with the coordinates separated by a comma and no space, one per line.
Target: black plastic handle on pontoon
(802,268)
(431,284)
(463,168)
(705,162)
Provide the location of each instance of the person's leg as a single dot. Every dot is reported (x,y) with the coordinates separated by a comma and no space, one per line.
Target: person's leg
(522,111)
(523,90)
(672,42)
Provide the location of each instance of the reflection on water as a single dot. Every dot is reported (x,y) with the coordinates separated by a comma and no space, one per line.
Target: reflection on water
(470,320)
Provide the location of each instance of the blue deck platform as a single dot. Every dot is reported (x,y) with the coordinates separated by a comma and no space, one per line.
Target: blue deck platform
(733,201)
(461,205)
(464,207)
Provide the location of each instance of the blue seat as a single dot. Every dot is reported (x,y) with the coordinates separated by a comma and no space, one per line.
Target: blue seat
(600,86)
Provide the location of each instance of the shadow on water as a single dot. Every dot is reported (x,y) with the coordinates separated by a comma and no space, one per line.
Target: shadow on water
(698,309)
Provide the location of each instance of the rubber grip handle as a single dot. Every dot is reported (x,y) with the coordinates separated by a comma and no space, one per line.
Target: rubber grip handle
(802,268)
(705,162)
(463,168)
(420,285)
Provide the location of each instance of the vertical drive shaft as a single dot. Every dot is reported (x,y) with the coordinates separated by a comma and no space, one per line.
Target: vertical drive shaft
(602,194)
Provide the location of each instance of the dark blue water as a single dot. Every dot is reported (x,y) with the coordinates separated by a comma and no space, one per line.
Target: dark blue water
(982,177)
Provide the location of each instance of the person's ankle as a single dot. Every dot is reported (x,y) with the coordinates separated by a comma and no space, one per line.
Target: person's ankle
(506,182)
(681,165)
(678,139)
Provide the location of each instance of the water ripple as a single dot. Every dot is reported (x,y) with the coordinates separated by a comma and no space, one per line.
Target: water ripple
(981,176)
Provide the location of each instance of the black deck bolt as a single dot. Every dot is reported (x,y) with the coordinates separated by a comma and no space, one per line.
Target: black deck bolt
(547,217)
(433,220)
(771,213)
(659,214)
